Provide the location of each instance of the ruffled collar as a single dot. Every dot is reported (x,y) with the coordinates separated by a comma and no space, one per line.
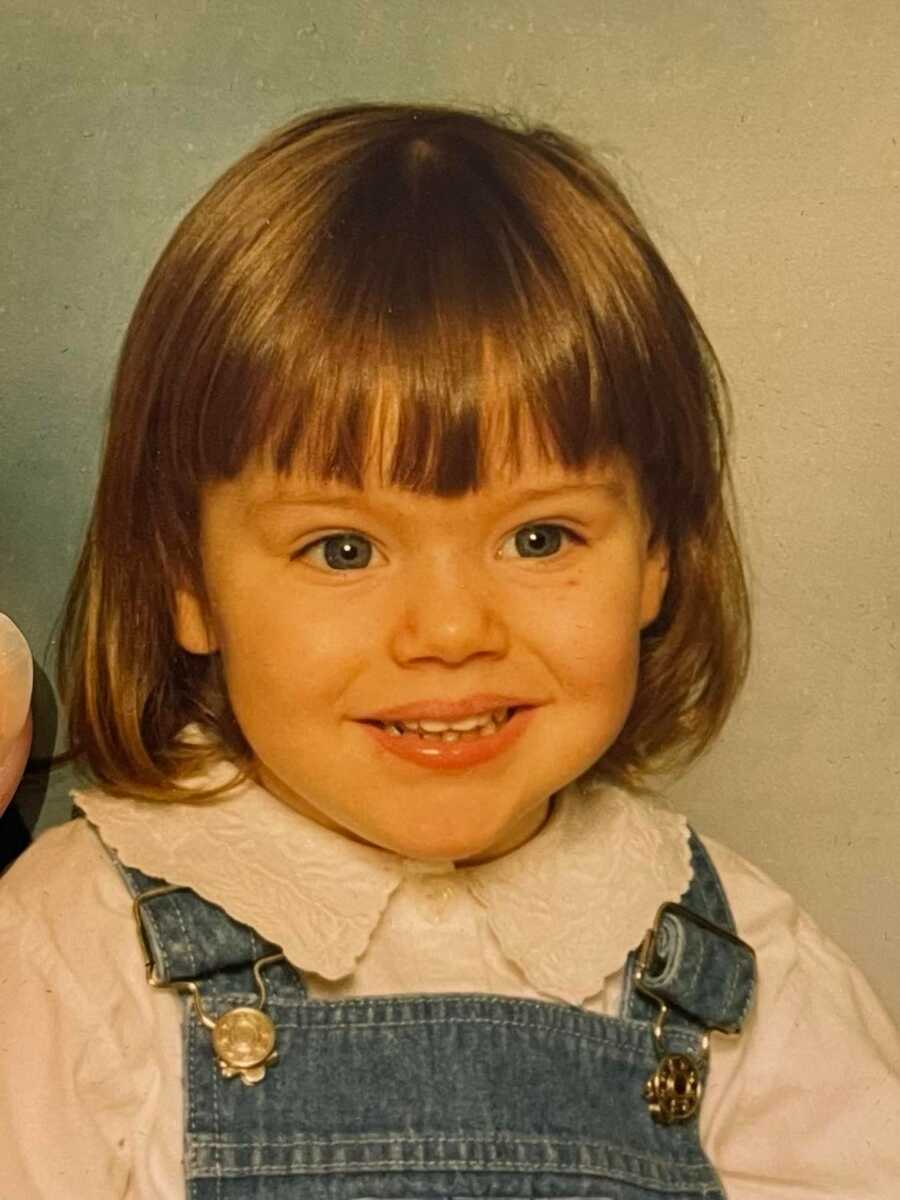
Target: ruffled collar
(565,908)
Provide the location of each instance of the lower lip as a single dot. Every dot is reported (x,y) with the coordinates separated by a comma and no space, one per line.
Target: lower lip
(447,756)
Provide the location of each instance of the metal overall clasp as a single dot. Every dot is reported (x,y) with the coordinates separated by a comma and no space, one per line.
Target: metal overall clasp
(674,1090)
(243,1039)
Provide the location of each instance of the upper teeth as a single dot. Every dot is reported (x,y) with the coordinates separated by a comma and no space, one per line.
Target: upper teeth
(463,725)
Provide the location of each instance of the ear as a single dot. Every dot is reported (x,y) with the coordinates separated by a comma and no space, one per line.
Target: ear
(656,578)
(192,630)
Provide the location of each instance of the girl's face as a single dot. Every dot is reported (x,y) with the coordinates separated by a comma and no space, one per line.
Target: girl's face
(345,618)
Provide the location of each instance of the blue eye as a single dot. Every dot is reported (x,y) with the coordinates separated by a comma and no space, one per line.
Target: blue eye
(540,541)
(340,551)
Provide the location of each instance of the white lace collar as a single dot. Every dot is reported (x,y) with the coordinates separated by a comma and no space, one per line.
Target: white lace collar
(565,907)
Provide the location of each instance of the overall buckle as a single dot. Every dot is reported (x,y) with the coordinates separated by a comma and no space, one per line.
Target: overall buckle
(674,1090)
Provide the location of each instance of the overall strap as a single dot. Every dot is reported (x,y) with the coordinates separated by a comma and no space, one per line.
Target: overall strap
(693,960)
(188,938)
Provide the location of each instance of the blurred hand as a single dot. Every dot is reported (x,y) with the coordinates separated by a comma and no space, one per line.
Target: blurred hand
(16,677)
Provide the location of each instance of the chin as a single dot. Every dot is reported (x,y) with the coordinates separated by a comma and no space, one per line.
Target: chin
(435,849)
(476,841)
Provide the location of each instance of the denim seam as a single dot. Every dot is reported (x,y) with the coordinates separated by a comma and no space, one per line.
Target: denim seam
(631,1041)
(468,999)
(717,884)
(698,968)
(712,883)
(188,940)
(734,979)
(602,1172)
(397,1139)
(554,1010)
(629,1044)
(645,1166)
(217,1125)
(751,993)
(189,1051)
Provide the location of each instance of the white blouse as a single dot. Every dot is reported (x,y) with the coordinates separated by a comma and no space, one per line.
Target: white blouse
(805,1103)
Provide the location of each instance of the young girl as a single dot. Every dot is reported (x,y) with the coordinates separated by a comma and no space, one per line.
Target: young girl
(409,567)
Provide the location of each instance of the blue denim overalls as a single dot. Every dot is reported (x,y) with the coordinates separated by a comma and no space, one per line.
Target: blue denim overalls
(436,1097)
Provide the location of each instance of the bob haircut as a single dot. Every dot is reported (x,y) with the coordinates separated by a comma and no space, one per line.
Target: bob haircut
(439,283)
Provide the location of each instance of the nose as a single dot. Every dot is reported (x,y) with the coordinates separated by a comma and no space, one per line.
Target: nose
(448,613)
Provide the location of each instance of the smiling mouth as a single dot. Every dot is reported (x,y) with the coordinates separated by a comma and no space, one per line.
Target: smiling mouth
(466,729)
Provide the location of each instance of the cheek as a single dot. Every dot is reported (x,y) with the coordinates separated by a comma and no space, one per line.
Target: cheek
(281,648)
(604,668)
(593,633)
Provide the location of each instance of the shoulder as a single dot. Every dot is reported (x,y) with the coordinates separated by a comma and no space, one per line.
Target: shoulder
(770,918)
(761,907)
(66,882)
(67,931)
(793,952)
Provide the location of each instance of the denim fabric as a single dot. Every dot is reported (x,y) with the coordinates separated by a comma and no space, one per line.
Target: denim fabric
(687,958)
(709,978)
(439,1097)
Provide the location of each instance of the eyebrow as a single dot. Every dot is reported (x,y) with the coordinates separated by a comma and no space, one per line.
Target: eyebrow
(614,489)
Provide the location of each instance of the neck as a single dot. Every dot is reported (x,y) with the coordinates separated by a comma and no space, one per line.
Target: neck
(523,831)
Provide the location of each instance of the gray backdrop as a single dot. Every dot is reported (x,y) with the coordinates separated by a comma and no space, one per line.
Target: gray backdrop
(759,139)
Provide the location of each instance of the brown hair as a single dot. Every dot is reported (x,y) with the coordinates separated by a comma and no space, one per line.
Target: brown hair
(363,269)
